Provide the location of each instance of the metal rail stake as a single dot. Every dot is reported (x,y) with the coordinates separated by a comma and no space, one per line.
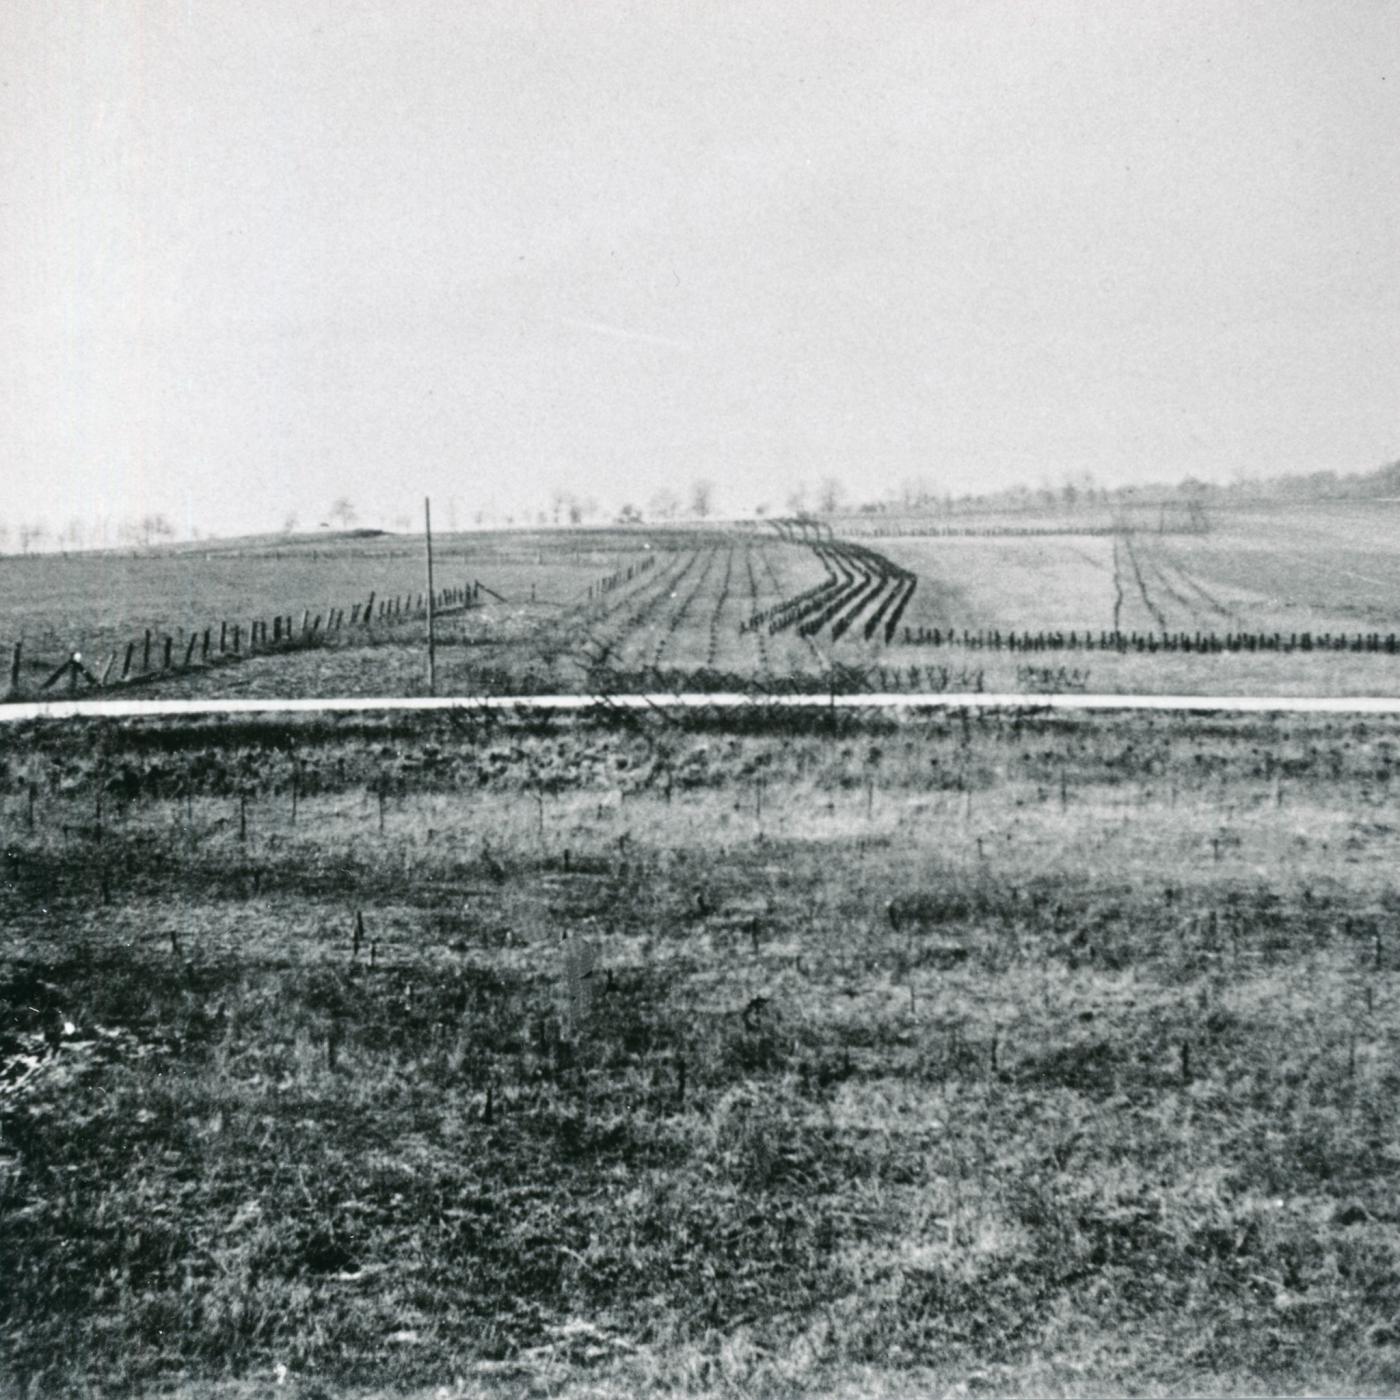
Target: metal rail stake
(432,640)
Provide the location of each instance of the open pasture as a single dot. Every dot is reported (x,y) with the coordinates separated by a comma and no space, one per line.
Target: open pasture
(98,602)
(1022,1053)
(1266,594)
(1316,568)
(1282,584)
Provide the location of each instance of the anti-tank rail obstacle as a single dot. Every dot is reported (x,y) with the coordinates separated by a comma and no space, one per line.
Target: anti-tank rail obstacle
(856,577)
(154,657)
(618,579)
(1020,640)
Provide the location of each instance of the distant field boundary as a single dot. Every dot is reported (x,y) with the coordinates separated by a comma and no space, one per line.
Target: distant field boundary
(23,712)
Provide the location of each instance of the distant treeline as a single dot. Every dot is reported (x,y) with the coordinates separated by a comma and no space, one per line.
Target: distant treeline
(1082,494)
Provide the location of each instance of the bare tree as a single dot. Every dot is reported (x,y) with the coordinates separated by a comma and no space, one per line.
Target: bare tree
(155,527)
(797,499)
(32,534)
(664,504)
(290,523)
(343,511)
(702,497)
(915,491)
(830,494)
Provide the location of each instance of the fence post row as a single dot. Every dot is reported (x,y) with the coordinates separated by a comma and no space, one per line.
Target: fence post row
(1152,642)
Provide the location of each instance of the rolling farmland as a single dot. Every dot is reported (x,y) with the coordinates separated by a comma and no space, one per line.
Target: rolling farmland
(1286,601)
(699,1051)
(1287,570)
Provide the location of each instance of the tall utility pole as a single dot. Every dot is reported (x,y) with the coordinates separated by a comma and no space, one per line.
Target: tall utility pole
(432,640)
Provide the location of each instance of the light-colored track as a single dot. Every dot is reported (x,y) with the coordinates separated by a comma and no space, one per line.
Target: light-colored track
(540,704)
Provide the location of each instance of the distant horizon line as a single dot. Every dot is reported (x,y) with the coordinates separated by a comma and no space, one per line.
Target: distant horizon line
(155,530)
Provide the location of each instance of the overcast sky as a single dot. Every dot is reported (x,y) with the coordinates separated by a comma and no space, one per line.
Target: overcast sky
(261,253)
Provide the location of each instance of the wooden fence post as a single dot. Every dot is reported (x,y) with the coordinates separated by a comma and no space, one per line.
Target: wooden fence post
(146,652)
(126,663)
(169,648)
(14,667)
(189,650)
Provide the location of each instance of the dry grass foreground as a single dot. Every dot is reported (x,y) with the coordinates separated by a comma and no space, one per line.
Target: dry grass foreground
(986,1055)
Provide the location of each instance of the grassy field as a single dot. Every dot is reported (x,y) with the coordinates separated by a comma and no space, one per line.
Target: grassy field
(1001,1055)
(685,606)
(1318,568)
(98,601)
